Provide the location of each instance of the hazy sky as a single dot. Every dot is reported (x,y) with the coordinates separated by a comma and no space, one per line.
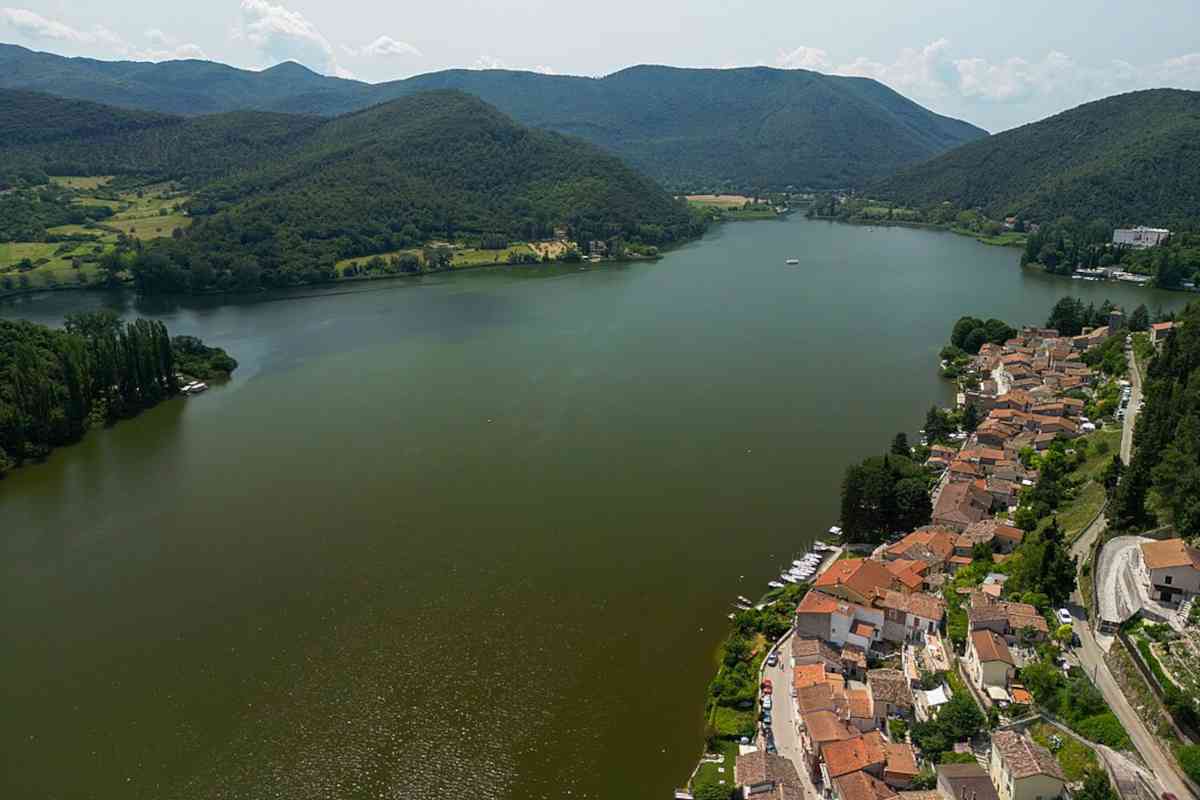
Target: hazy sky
(998,64)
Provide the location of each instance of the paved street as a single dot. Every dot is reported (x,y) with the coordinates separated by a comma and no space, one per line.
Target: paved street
(784,718)
(1135,405)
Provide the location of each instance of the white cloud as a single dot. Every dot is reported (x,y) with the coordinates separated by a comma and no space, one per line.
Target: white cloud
(163,47)
(805,58)
(385,46)
(489,62)
(36,26)
(281,34)
(934,74)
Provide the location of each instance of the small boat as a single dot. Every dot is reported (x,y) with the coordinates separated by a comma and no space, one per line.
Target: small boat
(744,599)
(731,615)
(792,261)
(195,388)
(775,584)
(789,578)
(798,563)
(835,531)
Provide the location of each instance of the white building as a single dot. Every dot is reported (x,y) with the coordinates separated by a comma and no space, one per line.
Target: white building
(1140,236)
(1174,569)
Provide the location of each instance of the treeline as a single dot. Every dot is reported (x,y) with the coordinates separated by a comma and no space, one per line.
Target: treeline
(55,384)
(1166,458)
(884,495)
(1067,245)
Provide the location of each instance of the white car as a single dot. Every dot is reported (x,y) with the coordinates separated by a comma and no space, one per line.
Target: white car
(1064,616)
(766,702)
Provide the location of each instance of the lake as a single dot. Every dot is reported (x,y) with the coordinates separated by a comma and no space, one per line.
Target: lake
(474,532)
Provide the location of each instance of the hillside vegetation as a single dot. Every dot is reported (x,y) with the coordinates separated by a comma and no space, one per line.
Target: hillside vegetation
(1128,159)
(277,200)
(693,129)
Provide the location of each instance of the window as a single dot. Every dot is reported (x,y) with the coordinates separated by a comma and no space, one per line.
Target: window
(1167,580)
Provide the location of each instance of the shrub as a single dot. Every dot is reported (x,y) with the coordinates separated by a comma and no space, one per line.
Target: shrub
(1106,729)
(1189,759)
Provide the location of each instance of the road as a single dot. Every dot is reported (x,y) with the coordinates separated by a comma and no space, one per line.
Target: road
(1135,405)
(784,719)
(1091,657)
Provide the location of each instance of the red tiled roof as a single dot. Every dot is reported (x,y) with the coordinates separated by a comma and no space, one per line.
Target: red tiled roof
(990,647)
(851,755)
(824,726)
(862,786)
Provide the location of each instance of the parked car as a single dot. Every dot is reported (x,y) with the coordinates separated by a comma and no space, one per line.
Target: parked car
(766,718)
(1064,616)
(772,659)
(766,702)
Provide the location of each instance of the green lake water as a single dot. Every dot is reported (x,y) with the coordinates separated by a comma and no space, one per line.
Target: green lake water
(473,533)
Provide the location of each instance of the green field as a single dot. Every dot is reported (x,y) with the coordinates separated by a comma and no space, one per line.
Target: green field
(85,182)
(472,257)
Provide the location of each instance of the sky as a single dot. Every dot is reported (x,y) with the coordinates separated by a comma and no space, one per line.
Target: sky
(995,64)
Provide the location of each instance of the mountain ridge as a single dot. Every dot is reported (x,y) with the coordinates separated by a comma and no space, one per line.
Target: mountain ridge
(1132,158)
(750,127)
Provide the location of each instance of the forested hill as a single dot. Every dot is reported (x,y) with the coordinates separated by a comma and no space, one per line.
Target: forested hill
(1128,159)
(436,166)
(688,128)
(43,135)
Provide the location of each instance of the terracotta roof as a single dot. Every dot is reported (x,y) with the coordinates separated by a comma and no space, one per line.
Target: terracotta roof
(919,604)
(850,755)
(966,779)
(962,561)
(1170,553)
(862,575)
(855,655)
(909,573)
(1163,326)
(860,628)
(805,675)
(762,767)
(860,704)
(928,544)
(824,726)
(1023,757)
(818,697)
(901,760)
(1023,615)
(862,786)
(817,603)
(890,686)
(813,648)
(997,529)
(989,646)
(1020,694)
(961,504)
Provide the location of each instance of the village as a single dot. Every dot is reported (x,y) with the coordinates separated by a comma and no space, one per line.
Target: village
(870,659)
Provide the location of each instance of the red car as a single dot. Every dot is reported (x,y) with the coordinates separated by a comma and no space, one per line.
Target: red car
(766,686)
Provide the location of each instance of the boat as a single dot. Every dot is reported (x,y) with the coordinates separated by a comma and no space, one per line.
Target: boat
(835,531)
(792,261)
(798,563)
(731,615)
(775,584)
(789,578)
(745,599)
(195,387)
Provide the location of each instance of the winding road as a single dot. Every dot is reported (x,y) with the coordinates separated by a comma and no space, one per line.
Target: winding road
(1091,656)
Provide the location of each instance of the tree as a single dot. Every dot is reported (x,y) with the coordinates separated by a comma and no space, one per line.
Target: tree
(960,717)
(712,791)
(1111,476)
(937,426)
(1096,787)
(1139,320)
(900,445)
(970,418)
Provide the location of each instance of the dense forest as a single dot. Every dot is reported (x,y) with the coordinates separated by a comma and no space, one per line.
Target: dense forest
(1129,159)
(690,129)
(279,200)
(1162,483)
(42,135)
(55,384)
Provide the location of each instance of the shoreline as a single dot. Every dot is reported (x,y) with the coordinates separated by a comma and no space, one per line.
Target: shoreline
(933,226)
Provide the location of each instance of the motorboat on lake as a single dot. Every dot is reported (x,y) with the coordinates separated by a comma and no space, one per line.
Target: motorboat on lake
(792,261)
(775,584)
